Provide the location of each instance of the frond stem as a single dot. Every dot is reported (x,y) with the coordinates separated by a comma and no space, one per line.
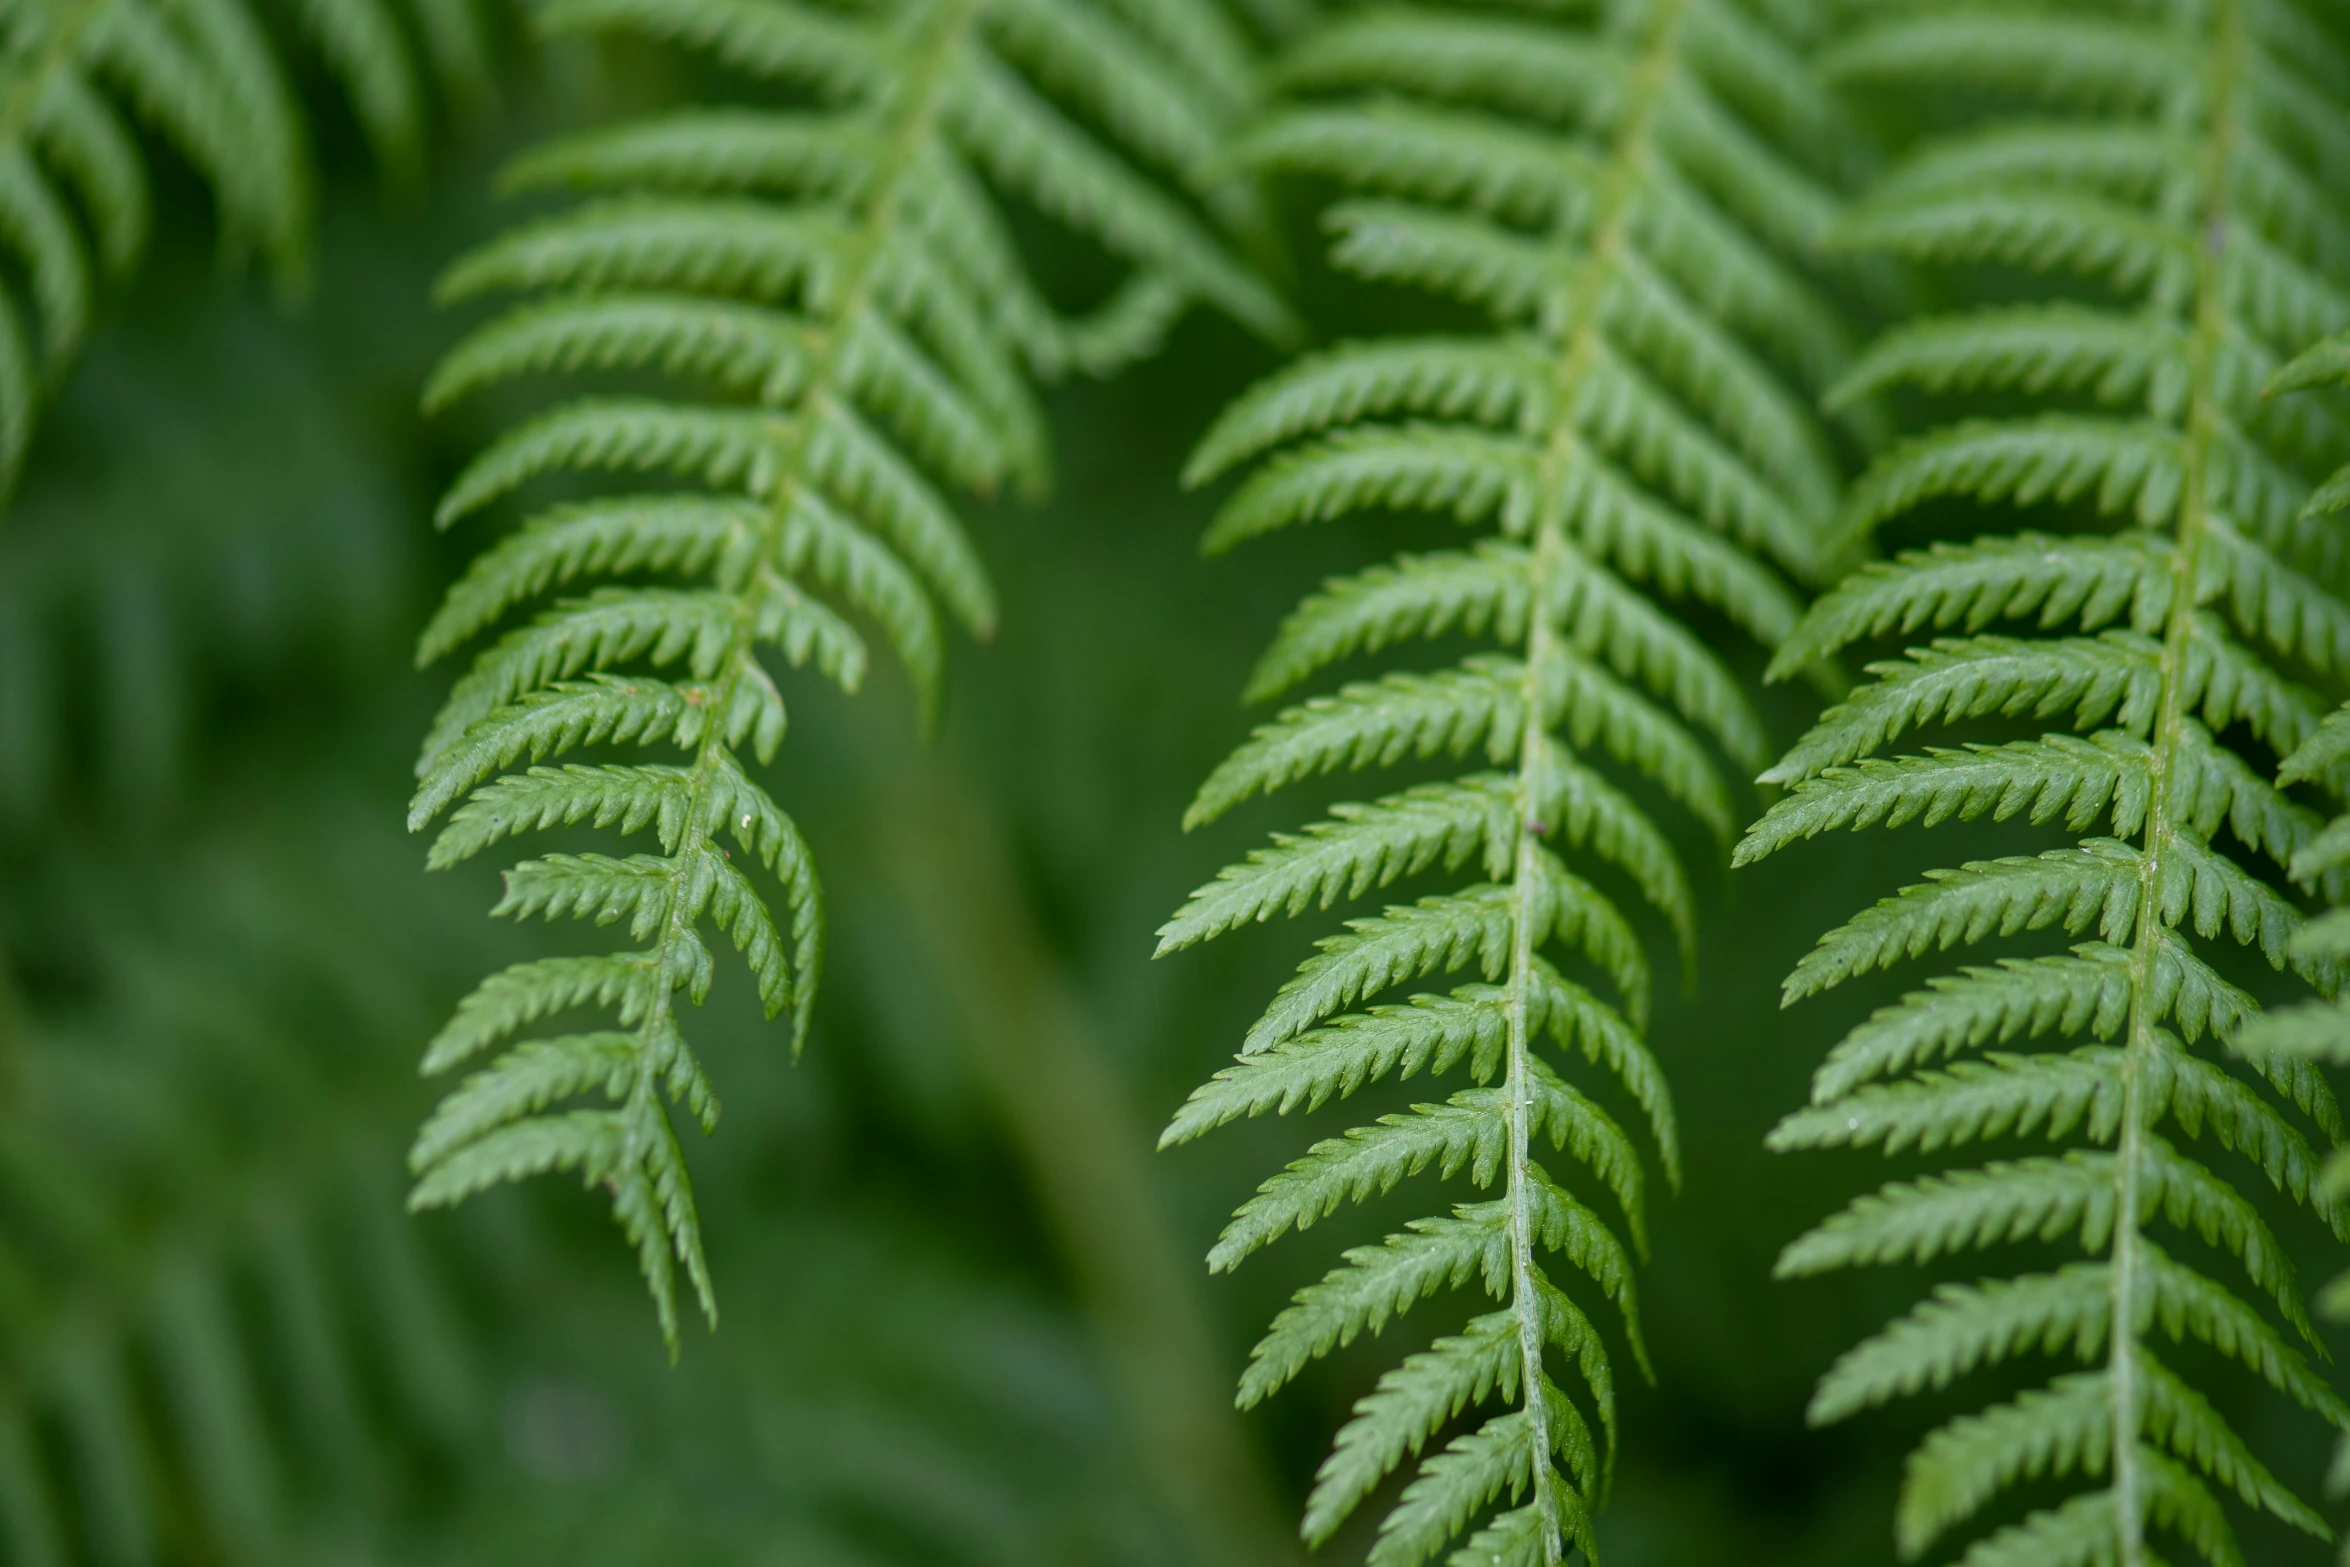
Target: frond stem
(1578,324)
(2203,202)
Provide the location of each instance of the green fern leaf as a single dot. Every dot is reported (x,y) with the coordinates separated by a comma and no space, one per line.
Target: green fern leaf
(1471,60)
(2086,992)
(1376,1283)
(1450,713)
(1965,1326)
(571,713)
(1430,595)
(731,150)
(684,535)
(2278,605)
(2064,59)
(857,335)
(2111,675)
(2083,781)
(2064,1428)
(2052,579)
(1920,1221)
(2093,886)
(2230,683)
(2030,348)
(2000,1096)
(2116,158)
(1413,1402)
(2043,232)
(2297,1039)
(1436,157)
(1469,474)
(1471,259)
(1306,1070)
(514,998)
(1470,1130)
(1366,725)
(1446,933)
(741,346)
(1361,847)
(1503,1455)
(1499,384)
(2122,469)
(2181,1419)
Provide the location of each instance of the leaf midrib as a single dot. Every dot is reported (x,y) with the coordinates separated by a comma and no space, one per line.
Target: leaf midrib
(2205,203)
(1618,187)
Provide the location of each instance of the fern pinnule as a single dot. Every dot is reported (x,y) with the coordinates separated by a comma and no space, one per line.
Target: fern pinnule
(1624,437)
(842,278)
(2148,170)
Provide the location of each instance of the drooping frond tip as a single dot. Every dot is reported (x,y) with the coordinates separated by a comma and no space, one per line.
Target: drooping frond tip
(843,279)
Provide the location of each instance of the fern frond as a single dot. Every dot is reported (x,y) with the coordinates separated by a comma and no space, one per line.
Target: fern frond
(208,1262)
(841,278)
(1637,206)
(2165,187)
(76,200)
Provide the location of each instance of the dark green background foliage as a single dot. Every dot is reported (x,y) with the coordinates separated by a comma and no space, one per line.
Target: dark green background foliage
(965,1321)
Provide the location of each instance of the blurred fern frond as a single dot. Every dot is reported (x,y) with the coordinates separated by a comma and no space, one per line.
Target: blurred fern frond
(222,1340)
(79,79)
(2180,179)
(848,273)
(1634,204)
(136,602)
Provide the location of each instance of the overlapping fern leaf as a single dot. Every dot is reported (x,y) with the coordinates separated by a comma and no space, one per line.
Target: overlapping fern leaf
(851,329)
(80,80)
(2319,1031)
(2172,164)
(1622,437)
